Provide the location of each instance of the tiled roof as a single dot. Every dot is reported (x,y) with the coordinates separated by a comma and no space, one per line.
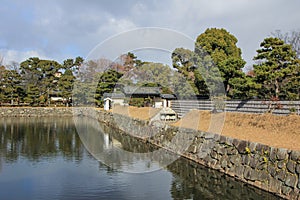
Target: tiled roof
(113,95)
(129,90)
(167,96)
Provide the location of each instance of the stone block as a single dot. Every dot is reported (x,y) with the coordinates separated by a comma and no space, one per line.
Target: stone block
(246,159)
(263,175)
(272,170)
(286,190)
(247,172)
(201,154)
(252,146)
(295,155)
(281,175)
(222,139)
(275,185)
(209,136)
(229,141)
(281,154)
(241,147)
(235,159)
(294,194)
(214,155)
(291,180)
(298,168)
(298,183)
(281,164)
(262,166)
(239,171)
(220,150)
(253,161)
(231,151)
(250,174)
(223,162)
(192,149)
(273,154)
(235,142)
(208,159)
(259,147)
(291,166)
(218,166)
(217,137)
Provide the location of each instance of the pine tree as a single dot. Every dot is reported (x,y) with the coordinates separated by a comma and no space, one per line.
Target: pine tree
(278,70)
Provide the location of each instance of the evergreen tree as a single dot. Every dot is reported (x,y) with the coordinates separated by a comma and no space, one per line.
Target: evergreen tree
(226,56)
(184,61)
(278,70)
(65,85)
(38,79)
(107,82)
(10,86)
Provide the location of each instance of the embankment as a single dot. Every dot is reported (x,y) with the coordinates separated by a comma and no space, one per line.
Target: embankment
(276,170)
(35,111)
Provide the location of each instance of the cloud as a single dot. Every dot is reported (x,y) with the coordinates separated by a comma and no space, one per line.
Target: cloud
(10,56)
(62,29)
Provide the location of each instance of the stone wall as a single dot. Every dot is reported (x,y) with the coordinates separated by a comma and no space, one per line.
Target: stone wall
(34,111)
(272,169)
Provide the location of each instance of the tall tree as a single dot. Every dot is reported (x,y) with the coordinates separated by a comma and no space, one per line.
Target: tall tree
(221,46)
(39,76)
(87,80)
(107,82)
(65,85)
(184,61)
(10,88)
(73,65)
(278,67)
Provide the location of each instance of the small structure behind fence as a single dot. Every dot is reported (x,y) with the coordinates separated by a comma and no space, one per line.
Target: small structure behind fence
(246,106)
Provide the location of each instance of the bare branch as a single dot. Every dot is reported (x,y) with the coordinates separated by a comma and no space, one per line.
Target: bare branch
(292,38)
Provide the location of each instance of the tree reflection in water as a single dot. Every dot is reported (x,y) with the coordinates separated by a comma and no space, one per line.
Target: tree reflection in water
(36,138)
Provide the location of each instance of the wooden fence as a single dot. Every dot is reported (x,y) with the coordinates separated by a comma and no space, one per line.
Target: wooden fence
(276,107)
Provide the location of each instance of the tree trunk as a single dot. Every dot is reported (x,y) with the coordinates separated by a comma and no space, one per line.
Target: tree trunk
(276,88)
(227,89)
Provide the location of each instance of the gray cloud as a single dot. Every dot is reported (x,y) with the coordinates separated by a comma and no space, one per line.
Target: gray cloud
(63,28)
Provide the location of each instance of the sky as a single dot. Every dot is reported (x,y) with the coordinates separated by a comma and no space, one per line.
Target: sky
(61,29)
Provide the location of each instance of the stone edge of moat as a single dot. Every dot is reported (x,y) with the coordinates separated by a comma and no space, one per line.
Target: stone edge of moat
(275,170)
(35,111)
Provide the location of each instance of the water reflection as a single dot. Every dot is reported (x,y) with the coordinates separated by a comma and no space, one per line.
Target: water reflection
(120,151)
(63,169)
(36,138)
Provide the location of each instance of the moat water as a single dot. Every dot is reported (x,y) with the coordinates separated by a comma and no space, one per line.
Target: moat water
(44,158)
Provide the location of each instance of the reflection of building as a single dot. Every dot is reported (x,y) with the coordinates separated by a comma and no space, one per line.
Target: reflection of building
(109,143)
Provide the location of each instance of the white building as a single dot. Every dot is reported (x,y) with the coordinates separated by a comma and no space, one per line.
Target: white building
(111,99)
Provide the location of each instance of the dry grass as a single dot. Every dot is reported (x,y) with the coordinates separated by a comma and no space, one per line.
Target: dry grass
(143,113)
(272,130)
(277,131)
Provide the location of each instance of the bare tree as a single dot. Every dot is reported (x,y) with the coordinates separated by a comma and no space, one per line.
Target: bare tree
(13,66)
(292,38)
(1,60)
